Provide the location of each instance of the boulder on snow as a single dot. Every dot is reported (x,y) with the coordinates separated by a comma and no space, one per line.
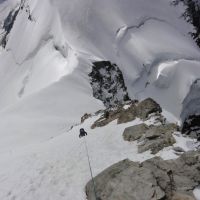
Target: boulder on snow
(153,138)
(85,116)
(147,107)
(158,144)
(125,180)
(153,179)
(127,115)
(135,132)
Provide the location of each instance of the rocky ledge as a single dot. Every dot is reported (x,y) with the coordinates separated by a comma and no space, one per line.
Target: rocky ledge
(153,138)
(129,111)
(154,179)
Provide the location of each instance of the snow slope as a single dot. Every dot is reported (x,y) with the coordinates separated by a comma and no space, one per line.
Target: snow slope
(45,88)
(58,168)
(137,35)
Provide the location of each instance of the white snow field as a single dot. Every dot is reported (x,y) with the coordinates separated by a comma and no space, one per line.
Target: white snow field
(45,88)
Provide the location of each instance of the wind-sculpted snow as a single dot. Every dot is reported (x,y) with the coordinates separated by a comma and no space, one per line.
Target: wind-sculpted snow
(45,87)
(122,31)
(146,37)
(35,47)
(65,35)
(170,83)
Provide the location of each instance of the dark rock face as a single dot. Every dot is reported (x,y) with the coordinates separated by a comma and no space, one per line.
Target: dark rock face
(153,138)
(108,83)
(10,20)
(192,15)
(153,179)
(7,26)
(191,126)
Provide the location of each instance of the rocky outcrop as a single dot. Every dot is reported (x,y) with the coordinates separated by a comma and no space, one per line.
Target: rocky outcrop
(191,126)
(108,83)
(85,117)
(135,132)
(10,20)
(153,138)
(135,110)
(147,107)
(107,117)
(127,115)
(153,179)
(7,26)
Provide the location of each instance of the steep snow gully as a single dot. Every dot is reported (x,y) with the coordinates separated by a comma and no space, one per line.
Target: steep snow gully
(48,49)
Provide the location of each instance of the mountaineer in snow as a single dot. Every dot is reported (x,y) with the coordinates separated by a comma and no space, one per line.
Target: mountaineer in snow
(82,133)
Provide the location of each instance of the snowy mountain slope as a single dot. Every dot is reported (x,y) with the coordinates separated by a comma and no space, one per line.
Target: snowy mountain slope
(58,168)
(45,87)
(49,112)
(26,49)
(137,41)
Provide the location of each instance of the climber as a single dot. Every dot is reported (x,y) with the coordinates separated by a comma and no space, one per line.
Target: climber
(82,133)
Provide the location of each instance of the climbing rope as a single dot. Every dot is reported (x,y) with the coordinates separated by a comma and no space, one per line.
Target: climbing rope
(93,183)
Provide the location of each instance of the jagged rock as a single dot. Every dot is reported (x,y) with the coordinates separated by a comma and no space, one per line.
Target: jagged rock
(153,138)
(108,83)
(134,132)
(123,181)
(146,107)
(157,131)
(8,25)
(158,144)
(85,116)
(127,115)
(107,117)
(191,126)
(135,110)
(153,179)
(180,175)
